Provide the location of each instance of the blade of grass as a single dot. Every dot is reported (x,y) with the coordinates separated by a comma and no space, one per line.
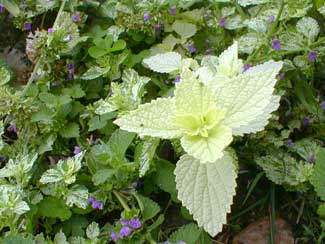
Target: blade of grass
(272,217)
(252,186)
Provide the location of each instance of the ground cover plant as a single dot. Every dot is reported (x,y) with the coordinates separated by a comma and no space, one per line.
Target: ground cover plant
(162,121)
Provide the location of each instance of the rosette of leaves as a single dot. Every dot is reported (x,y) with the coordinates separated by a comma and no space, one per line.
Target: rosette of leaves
(211,104)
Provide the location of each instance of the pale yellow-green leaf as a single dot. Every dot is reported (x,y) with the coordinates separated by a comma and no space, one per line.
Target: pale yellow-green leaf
(210,148)
(184,29)
(207,190)
(152,119)
(229,63)
(248,98)
(164,62)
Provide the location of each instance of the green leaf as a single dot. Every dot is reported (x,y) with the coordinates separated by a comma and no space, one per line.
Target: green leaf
(317,179)
(151,119)
(93,73)
(184,29)
(207,190)
(284,169)
(165,178)
(12,7)
(245,3)
(96,52)
(75,226)
(77,195)
(5,75)
(60,238)
(189,233)
(119,142)
(308,27)
(71,130)
(164,63)
(92,231)
(103,175)
(98,122)
(144,153)
(18,239)
(52,207)
(117,46)
(149,208)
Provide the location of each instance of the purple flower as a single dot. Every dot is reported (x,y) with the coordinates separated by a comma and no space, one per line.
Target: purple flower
(305,121)
(282,76)
(222,22)
(114,237)
(97,205)
(177,79)
(91,200)
(71,66)
(312,56)
(290,143)
(181,242)
(2,9)
(76,17)
(12,127)
(27,26)
(311,159)
(49,30)
(323,105)
(191,48)
(276,44)
(271,19)
(76,150)
(172,10)
(146,16)
(156,28)
(124,222)
(125,231)
(71,70)
(135,223)
(247,67)
(208,51)
(68,38)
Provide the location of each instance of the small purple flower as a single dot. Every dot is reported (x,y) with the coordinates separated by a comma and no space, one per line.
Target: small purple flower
(271,19)
(135,223)
(97,205)
(172,10)
(282,76)
(76,17)
(247,67)
(114,237)
(311,159)
(181,242)
(50,30)
(146,16)
(305,121)
(312,56)
(95,141)
(71,70)
(322,104)
(68,38)
(191,48)
(125,231)
(27,26)
(2,9)
(71,66)
(124,222)
(222,22)
(290,143)
(177,79)
(76,150)
(12,127)
(276,44)
(208,51)
(91,200)
(156,28)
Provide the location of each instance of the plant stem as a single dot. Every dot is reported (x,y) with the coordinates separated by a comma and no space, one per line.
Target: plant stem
(37,65)
(240,10)
(272,219)
(123,203)
(276,22)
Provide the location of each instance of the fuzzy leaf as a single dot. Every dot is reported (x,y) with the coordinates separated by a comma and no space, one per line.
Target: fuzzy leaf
(77,195)
(229,63)
(245,3)
(92,231)
(308,27)
(152,119)
(248,98)
(207,190)
(317,179)
(164,63)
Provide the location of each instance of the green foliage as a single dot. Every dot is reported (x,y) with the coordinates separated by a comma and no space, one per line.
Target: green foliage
(317,178)
(190,234)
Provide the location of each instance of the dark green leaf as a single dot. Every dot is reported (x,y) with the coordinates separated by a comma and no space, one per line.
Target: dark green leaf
(70,131)
(148,207)
(52,207)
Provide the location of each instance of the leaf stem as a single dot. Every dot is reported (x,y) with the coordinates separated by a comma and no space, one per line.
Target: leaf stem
(276,22)
(38,63)
(121,200)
